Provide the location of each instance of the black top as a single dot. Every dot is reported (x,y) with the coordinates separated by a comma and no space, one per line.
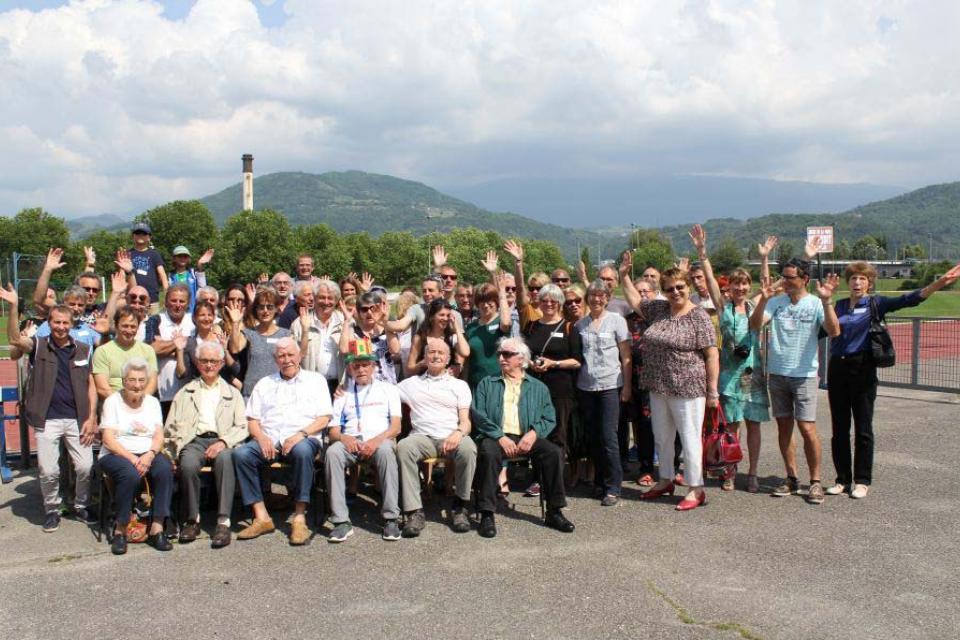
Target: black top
(555,341)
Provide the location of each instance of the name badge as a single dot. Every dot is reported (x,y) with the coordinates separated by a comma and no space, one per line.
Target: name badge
(556,334)
(789,324)
(493,328)
(80,363)
(272,340)
(141,272)
(860,311)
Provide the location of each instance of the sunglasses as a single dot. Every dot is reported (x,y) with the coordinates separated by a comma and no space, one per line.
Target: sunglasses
(266,307)
(574,301)
(510,289)
(92,289)
(138,298)
(675,288)
(559,280)
(506,354)
(534,289)
(366,309)
(449,276)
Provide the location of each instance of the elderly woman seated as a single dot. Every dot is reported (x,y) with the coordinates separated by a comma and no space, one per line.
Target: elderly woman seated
(514,416)
(132,432)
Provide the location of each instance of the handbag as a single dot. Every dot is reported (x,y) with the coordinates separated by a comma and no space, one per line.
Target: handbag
(881,344)
(137,526)
(721,447)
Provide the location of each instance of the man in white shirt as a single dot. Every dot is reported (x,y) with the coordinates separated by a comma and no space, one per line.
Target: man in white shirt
(440,413)
(365,424)
(161,331)
(285,414)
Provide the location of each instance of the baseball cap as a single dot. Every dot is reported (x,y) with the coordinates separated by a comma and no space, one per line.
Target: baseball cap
(141,227)
(181,250)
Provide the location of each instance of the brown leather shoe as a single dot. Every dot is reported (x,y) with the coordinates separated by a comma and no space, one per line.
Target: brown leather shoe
(220,537)
(189,532)
(299,533)
(257,528)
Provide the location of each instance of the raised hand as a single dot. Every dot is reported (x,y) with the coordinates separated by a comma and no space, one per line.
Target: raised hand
(698,236)
(101,323)
(768,288)
(366,282)
(251,292)
(306,318)
(490,262)
(514,248)
(29,329)
(9,295)
(766,247)
(811,248)
(90,256)
(205,258)
(123,261)
(118,282)
(582,271)
(683,264)
(439,256)
(951,276)
(234,311)
(352,276)
(626,264)
(263,278)
(54,259)
(825,288)
(179,341)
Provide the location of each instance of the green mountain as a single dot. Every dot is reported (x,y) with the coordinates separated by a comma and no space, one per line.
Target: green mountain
(352,201)
(927,216)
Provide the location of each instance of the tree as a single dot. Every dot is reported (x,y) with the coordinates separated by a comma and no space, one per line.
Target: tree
(652,249)
(865,248)
(727,256)
(362,251)
(585,259)
(105,243)
(841,250)
(33,232)
(540,255)
(254,242)
(330,253)
(917,251)
(186,222)
(398,255)
(786,251)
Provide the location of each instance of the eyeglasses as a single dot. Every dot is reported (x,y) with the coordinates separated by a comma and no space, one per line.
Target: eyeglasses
(132,298)
(573,301)
(791,277)
(559,280)
(366,309)
(510,289)
(506,354)
(448,276)
(677,287)
(209,361)
(266,307)
(534,289)
(93,289)
(286,282)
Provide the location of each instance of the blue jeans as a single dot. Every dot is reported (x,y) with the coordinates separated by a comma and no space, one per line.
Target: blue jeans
(126,480)
(600,416)
(248,460)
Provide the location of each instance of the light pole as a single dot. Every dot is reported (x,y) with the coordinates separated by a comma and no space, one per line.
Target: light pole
(633,245)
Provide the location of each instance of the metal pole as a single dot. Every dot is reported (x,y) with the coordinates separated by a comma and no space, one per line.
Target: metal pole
(915,352)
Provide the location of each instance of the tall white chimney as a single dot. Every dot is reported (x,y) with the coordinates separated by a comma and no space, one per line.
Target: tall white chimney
(247,182)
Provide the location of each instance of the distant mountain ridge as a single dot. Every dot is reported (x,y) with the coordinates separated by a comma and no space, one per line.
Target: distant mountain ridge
(928,216)
(654,201)
(353,201)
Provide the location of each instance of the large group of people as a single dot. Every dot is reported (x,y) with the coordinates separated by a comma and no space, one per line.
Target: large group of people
(312,375)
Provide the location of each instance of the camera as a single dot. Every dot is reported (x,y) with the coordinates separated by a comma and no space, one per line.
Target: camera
(538,361)
(741,351)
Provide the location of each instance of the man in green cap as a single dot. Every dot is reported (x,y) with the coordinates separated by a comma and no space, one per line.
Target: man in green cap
(182,273)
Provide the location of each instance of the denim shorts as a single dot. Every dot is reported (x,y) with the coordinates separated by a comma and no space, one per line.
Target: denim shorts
(793,397)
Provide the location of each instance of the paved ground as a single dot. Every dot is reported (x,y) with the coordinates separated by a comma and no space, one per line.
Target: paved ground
(744,566)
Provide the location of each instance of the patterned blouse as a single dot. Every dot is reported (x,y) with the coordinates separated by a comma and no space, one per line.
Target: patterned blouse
(673,361)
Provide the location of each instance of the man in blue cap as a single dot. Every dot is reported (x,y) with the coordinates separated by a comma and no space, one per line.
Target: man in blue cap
(146,265)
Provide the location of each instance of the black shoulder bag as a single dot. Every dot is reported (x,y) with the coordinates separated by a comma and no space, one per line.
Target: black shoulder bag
(881,345)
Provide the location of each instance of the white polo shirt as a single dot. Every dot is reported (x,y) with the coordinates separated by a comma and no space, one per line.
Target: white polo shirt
(167,381)
(284,407)
(366,411)
(435,403)
(323,345)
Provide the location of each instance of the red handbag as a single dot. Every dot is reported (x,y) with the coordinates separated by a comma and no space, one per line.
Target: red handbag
(721,447)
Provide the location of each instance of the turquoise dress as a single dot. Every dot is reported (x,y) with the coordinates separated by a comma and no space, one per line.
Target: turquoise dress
(743,381)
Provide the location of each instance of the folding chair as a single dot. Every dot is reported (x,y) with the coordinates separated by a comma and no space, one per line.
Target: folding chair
(8,394)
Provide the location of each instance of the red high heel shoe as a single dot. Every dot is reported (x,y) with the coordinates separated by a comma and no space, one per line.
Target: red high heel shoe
(656,493)
(687,504)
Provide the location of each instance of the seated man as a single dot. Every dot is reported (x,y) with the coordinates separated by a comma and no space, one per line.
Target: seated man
(285,415)
(440,413)
(206,421)
(366,419)
(514,416)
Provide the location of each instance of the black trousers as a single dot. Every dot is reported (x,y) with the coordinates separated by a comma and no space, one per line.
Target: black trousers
(547,456)
(852,393)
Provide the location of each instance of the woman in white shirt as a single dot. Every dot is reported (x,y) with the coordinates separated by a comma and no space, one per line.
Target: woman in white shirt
(132,432)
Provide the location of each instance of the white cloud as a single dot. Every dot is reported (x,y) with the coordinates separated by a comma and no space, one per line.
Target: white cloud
(112,107)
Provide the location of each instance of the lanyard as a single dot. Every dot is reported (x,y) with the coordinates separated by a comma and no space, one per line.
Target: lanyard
(357,403)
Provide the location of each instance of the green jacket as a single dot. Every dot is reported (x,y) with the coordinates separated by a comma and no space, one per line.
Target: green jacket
(536,409)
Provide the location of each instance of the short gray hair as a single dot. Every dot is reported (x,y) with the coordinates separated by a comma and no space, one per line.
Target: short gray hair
(208,345)
(209,289)
(330,286)
(553,292)
(518,345)
(180,286)
(299,286)
(598,286)
(284,343)
(370,297)
(136,363)
(75,291)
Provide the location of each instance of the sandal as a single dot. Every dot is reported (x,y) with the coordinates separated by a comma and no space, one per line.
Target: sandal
(646,480)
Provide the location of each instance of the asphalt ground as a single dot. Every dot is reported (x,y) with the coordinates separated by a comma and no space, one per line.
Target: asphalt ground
(744,566)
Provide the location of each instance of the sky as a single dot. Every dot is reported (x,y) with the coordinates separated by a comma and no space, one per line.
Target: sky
(114,106)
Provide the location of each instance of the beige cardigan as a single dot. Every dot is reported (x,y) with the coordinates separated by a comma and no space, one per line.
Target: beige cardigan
(181,427)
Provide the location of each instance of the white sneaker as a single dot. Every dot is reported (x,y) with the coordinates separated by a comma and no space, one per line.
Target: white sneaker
(836,489)
(859,491)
